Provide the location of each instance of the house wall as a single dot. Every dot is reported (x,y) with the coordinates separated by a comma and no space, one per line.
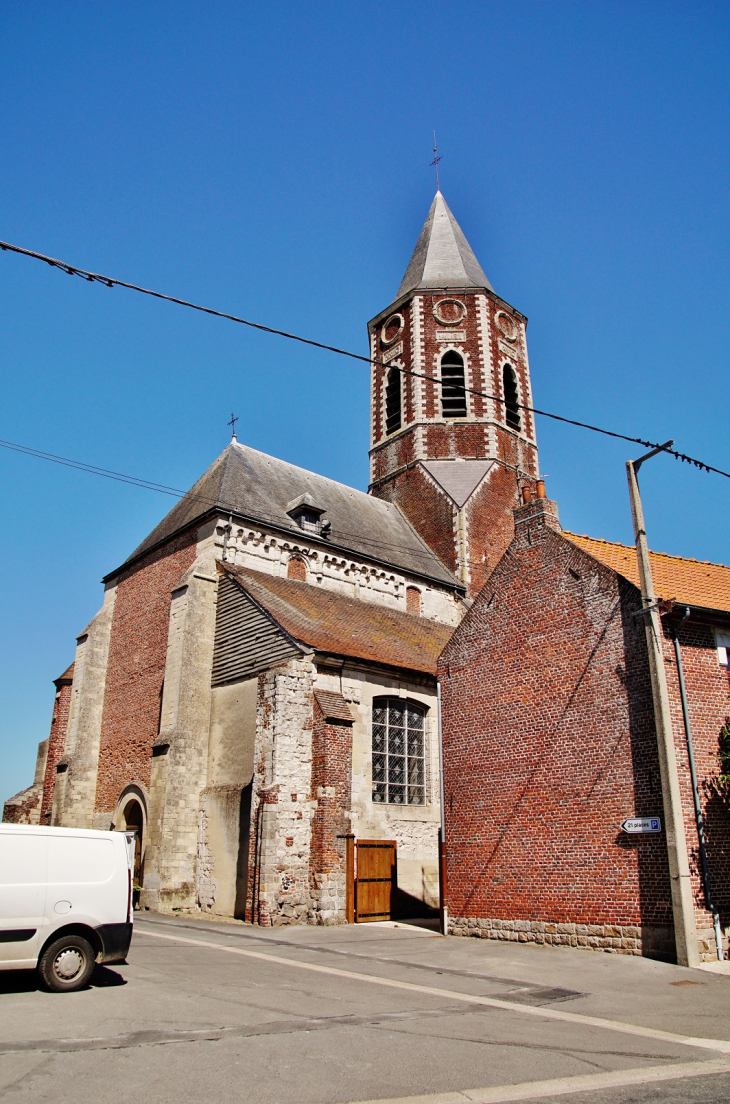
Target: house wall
(708,701)
(549,745)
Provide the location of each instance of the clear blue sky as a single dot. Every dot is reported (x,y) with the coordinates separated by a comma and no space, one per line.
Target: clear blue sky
(273,160)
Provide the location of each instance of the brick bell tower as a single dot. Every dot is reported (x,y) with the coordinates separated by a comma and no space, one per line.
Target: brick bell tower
(454,462)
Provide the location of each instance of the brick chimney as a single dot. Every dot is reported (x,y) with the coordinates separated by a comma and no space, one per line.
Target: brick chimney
(535,516)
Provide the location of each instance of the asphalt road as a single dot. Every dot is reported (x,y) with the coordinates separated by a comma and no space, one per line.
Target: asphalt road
(220,1013)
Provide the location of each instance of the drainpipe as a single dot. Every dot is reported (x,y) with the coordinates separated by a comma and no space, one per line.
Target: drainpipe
(699,819)
(442,832)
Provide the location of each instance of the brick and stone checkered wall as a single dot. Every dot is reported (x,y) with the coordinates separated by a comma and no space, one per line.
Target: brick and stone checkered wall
(549,745)
(332,797)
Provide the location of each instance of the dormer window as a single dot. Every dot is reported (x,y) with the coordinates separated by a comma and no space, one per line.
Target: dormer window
(306,513)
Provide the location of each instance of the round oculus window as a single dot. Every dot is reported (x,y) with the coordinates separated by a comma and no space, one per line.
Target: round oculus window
(449,312)
(391,329)
(506,326)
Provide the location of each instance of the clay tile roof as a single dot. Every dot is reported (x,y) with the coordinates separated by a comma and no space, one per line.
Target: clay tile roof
(334,706)
(330,622)
(695,582)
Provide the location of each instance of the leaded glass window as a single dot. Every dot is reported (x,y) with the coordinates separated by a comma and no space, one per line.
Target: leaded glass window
(398,752)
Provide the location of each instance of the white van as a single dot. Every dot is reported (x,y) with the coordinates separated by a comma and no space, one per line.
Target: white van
(65,901)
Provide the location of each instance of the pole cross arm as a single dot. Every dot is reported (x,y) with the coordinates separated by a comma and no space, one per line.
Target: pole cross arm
(663,605)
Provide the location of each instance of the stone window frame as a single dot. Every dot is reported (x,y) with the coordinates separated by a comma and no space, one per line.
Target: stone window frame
(396,366)
(506,362)
(722,643)
(452,348)
(422,783)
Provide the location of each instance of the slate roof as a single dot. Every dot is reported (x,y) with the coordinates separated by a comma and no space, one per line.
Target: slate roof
(443,257)
(459,478)
(331,622)
(252,485)
(694,582)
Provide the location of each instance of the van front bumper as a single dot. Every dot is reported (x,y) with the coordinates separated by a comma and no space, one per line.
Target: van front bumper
(115,940)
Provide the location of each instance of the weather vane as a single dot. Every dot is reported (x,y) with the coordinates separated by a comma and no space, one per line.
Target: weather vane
(232,424)
(435,162)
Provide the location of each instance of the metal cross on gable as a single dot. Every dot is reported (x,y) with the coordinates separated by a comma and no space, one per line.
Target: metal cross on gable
(232,424)
(436,159)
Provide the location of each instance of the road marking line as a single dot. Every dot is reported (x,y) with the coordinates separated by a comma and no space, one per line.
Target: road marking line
(722,1046)
(533,1090)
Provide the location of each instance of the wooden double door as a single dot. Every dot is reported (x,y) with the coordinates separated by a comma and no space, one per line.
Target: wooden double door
(372,880)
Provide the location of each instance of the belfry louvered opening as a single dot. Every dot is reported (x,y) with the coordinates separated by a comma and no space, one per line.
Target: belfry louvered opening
(453,385)
(511,398)
(392,401)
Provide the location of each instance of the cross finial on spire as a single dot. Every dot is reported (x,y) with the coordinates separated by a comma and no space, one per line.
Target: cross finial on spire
(435,162)
(232,424)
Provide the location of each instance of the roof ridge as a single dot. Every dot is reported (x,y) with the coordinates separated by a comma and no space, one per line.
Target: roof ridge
(307,471)
(632,548)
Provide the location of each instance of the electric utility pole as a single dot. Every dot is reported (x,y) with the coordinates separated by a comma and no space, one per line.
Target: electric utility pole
(685,931)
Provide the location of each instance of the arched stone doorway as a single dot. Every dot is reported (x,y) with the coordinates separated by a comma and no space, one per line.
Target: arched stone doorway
(131,816)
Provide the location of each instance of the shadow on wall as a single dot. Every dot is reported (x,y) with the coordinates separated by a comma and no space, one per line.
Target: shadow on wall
(655,903)
(244,827)
(408,907)
(716,803)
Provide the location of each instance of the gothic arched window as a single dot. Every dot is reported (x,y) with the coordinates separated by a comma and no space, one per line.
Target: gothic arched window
(392,401)
(398,752)
(453,386)
(511,398)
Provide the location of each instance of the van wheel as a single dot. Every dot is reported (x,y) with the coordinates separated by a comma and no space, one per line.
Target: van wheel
(67,963)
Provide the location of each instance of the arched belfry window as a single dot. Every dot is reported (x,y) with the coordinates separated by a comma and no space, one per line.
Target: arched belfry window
(398,752)
(392,401)
(453,386)
(511,398)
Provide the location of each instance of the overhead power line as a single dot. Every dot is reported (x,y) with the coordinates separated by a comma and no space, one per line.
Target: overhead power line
(110,281)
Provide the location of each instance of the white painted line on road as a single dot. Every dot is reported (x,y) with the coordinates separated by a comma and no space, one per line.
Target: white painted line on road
(560,1086)
(722,1046)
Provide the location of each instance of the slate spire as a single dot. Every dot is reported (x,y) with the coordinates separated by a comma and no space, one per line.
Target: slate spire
(443,257)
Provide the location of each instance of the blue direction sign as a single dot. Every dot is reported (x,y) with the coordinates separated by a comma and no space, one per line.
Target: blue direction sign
(642,824)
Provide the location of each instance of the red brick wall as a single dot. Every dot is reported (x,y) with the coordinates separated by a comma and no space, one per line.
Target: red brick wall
(549,745)
(136,668)
(56,745)
(332,790)
(429,510)
(708,701)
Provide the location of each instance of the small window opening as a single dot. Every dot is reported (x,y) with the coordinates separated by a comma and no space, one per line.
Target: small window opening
(511,398)
(453,386)
(296,569)
(413,600)
(392,402)
(306,513)
(308,520)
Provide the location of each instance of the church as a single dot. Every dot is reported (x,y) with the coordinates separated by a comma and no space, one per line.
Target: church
(257,695)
